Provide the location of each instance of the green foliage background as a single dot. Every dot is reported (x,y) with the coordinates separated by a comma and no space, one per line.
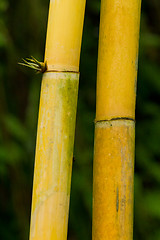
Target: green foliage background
(22,33)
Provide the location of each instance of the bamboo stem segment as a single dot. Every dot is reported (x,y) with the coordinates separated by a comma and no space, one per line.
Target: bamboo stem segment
(113,180)
(56,124)
(54,156)
(118,59)
(64,35)
(113,170)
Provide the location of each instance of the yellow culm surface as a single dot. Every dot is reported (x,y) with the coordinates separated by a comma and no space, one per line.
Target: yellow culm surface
(113,171)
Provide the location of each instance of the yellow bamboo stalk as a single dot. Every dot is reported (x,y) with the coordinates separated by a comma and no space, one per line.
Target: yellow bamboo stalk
(56,124)
(113,171)
(64,35)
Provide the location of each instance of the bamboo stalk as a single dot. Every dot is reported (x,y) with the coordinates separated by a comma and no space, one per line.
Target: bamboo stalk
(56,123)
(113,170)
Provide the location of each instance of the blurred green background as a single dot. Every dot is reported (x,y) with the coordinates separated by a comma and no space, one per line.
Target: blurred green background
(22,33)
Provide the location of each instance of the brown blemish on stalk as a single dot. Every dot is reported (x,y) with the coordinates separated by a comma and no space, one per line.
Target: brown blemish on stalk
(117,200)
